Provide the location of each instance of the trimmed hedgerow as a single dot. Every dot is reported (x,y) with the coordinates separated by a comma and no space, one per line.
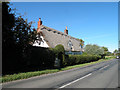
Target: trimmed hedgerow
(25,75)
(80,59)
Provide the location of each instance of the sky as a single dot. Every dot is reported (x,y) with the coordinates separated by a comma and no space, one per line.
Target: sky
(94,22)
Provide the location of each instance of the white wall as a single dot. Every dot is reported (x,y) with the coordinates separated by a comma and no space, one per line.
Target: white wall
(42,43)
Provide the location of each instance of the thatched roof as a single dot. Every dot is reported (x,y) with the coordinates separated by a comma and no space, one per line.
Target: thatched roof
(54,37)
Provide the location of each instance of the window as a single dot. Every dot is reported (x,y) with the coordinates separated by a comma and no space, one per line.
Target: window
(49,29)
(70,45)
(54,31)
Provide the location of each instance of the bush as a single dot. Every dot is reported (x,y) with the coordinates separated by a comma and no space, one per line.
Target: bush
(59,49)
(42,57)
(80,59)
(60,54)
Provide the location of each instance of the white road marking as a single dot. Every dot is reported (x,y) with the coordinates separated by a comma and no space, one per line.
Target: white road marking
(76,80)
(104,67)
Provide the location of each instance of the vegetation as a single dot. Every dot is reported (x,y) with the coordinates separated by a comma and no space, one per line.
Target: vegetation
(19,56)
(26,75)
(97,50)
(106,52)
(115,52)
(94,49)
(17,34)
(105,49)
(59,49)
(81,43)
(60,54)
(80,59)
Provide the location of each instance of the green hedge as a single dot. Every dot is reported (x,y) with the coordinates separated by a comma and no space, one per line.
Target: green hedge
(42,58)
(80,59)
(59,52)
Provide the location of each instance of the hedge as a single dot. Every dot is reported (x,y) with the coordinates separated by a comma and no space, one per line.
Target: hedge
(39,58)
(80,59)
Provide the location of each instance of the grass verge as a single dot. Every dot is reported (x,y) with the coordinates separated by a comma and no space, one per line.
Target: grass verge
(8,78)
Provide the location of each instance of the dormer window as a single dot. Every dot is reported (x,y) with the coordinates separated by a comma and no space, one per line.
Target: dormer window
(58,32)
(62,34)
(49,29)
(43,28)
(54,31)
(70,45)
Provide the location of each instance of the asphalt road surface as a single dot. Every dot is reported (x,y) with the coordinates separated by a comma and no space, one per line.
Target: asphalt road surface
(100,75)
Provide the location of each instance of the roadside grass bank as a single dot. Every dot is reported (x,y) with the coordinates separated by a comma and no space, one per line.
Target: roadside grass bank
(8,78)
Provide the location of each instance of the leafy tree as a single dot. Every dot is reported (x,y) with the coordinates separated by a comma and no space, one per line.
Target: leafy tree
(8,22)
(93,49)
(106,52)
(81,43)
(8,43)
(17,34)
(105,49)
(109,53)
(24,35)
(115,51)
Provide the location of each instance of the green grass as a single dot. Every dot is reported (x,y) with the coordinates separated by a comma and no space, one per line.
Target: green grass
(8,78)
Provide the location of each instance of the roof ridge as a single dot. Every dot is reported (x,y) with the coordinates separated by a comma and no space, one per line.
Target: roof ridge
(59,31)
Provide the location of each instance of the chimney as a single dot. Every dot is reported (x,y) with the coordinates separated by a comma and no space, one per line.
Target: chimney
(66,31)
(39,24)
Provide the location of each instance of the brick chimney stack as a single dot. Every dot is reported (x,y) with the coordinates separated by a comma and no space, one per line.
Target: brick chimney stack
(66,31)
(39,24)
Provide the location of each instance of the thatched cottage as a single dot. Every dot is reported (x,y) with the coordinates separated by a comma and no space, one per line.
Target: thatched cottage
(49,37)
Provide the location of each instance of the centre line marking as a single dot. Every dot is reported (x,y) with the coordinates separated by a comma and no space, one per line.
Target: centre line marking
(104,67)
(76,80)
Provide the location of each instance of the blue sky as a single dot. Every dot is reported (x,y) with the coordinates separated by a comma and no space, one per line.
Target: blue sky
(94,22)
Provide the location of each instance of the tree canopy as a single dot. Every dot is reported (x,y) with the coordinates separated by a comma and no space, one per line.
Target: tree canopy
(16,30)
(17,34)
(93,49)
(105,49)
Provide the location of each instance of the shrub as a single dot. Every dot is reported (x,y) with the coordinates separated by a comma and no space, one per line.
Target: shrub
(80,59)
(60,54)
(59,49)
(42,57)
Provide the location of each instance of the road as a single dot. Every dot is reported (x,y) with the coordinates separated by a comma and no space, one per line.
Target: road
(100,75)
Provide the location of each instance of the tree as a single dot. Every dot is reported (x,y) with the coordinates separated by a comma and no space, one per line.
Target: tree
(17,34)
(81,43)
(8,43)
(115,52)
(8,22)
(109,53)
(106,52)
(93,49)
(23,35)
(105,49)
